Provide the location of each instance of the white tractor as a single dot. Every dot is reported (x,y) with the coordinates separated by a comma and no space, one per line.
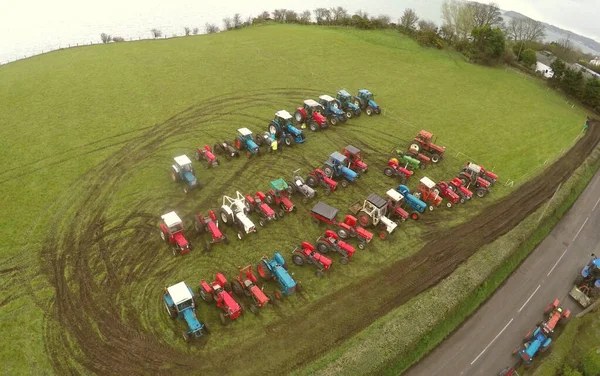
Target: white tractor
(234,211)
(372,213)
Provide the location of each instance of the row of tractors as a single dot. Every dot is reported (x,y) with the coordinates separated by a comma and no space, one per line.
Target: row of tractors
(284,130)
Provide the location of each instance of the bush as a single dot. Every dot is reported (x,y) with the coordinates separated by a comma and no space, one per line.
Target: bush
(590,364)
(118,39)
(509,56)
(568,371)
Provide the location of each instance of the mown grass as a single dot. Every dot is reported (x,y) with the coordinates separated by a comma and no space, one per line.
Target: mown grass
(68,111)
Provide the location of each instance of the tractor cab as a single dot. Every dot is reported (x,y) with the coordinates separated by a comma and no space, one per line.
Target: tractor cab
(172,222)
(311,106)
(328,102)
(592,270)
(395,198)
(182,171)
(365,94)
(184,163)
(245,134)
(280,187)
(355,158)
(344,96)
(283,118)
(337,159)
(424,137)
(181,296)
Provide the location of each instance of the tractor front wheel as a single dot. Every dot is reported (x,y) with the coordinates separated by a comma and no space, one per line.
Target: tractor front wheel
(328,171)
(431,208)
(240,235)
(369,111)
(435,158)
(422,166)
(304,200)
(261,222)
(253,309)
(361,245)
(206,328)
(313,126)
(349,114)
(344,119)
(327,191)
(280,213)
(186,337)
(344,183)
(449,204)
(333,120)
(388,171)
(344,260)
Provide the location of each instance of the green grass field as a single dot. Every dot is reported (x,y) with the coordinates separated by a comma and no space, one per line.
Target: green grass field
(89,134)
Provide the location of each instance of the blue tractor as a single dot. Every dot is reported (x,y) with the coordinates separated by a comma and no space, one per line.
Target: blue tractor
(245,141)
(346,104)
(536,340)
(276,269)
(337,165)
(587,283)
(182,171)
(364,100)
(415,204)
(180,302)
(283,129)
(332,110)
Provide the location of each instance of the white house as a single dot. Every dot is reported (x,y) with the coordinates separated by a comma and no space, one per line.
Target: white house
(544,69)
(596,61)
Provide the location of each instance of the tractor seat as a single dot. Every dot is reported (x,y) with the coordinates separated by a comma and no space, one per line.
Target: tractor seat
(247,283)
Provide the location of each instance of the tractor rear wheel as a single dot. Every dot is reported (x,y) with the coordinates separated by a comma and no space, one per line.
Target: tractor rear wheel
(364,219)
(238,289)
(263,271)
(197,155)
(323,246)
(163,236)
(206,296)
(402,178)
(388,171)
(242,309)
(226,217)
(357,112)
(435,158)
(271,298)
(269,198)
(259,140)
(344,260)
(238,144)
(171,311)
(274,129)
(357,103)
(298,259)
(174,176)
(218,148)
(369,110)
(311,181)
(298,117)
(198,226)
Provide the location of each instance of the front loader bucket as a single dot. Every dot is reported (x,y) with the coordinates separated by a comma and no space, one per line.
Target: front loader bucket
(580,296)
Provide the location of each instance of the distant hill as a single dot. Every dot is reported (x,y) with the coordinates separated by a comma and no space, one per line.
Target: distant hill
(554,33)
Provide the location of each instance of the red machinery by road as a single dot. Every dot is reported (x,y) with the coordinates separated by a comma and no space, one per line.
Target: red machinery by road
(210,224)
(259,206)
(457,186)
(171,232)
(208,156)
(427,193)
(322,212)
(330,242)
(446,192)
(355,159)
(306,254)
(422,143)
(395,203)
(484,174)
(394,169)
(555,315)
(279,194)
(318,177)
(220,292)
(469,176)
(245,284)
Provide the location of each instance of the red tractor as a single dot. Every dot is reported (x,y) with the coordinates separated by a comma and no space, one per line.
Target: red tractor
(555,315)
(446,192)
(469,176)
(318,177)
(457,186)
(323,212)
(394,169)
(355,159)
(245,284)
(331,242)
(395,203)
(311,114)
(207,155)
(484,174)
(279,194)
(171,232)
(259,206)
(210,224)
(306,254)
(220,292)
(427,193)
(422,143)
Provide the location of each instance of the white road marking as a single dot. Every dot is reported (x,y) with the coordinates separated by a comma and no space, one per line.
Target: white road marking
(532,294)
(495,338)
(557,261)
(581,228)
(596,204)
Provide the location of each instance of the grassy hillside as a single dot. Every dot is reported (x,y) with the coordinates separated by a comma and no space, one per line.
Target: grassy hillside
(89,134)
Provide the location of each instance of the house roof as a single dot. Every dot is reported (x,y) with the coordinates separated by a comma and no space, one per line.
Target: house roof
(182,160)
(179,293)
(545,58)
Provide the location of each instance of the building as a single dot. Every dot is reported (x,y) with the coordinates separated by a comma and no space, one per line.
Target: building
(596,61)
(545,70)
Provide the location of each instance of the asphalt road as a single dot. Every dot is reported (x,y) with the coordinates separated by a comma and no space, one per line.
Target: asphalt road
(484,343)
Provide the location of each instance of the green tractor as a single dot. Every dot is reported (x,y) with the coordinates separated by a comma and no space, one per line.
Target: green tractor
(408,162)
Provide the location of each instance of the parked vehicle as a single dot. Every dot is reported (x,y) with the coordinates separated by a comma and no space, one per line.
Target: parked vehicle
(317,176)
(364,100)
(331,110)
(171,232)
(336,166)
(306,254)
(182,171)
(279,194)
(394,169)
(372,213)
(331,242)
(180,302)
(469,176)
(246,284)
(234,212)
(422,144)
(260,207)
(297,185)
(587,283)
(355,159)
(210,224)
(311,114)
(245,141)
(219,291)
(276,269)
(325,213)
(226,148)
(205,153)
(346,103)
(281,126)
(413,202)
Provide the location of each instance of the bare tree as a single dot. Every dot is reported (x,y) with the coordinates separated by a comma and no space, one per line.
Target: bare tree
(409,19)
(323,16)
(427,26)
(195,31)
(486,14)
(305,17)
(187,31)
(211,28)
(459,17)
(525,29)
(264,15)
(291,16)
(279,15)
(105,38)
(156,33)
(446,32)
(227,23)
(118,39)
(237,21)
(338,15)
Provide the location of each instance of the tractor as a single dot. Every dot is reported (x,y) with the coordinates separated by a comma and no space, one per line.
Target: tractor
(484,174)
(259,206)
(372,213)
(276,269)
(331,110)
(395,201)
(171,232)
(245,141)
(446,192)
(234,211)
(297,185)
(336,166)
(469,176)
(364,100)
(207,155)
(394,169)
(281,126)
(457,186)
(331,242)
(587,283)
(226,148)
(556,315)
(420,157)
(279,194)
(408,161)
(306,254)
(415,204)
(535,341)
(427,192)
(422,143)
(245,284)
(182,171)
(355,159)
(346,103)
(325,213)
(210,224)
(180,302)
(219,291)
(311,114)
(318,177)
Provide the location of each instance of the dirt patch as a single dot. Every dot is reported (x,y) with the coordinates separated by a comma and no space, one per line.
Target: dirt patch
(89,327)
